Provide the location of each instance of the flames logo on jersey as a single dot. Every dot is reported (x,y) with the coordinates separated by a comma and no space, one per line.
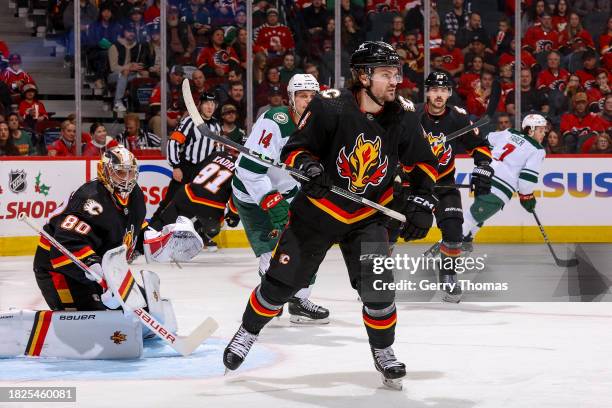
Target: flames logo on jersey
(128,240)
(439,147)
(363,166)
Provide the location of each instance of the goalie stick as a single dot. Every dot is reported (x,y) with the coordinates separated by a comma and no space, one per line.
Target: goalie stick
(184,345)
(567,263)
(199,122)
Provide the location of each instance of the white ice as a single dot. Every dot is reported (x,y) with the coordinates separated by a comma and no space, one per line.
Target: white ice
(467,355)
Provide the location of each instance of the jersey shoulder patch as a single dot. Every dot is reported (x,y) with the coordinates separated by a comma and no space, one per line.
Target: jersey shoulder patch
(460,110)
(281,117)
(331,93)
(406,104)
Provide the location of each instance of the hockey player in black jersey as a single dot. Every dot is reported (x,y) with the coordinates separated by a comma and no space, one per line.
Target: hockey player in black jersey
(100,215)
(439,119)
(205,198)
(353,139)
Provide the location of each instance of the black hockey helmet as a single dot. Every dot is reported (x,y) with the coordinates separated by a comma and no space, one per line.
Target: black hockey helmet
(208,97)
(438,79)
(372,54)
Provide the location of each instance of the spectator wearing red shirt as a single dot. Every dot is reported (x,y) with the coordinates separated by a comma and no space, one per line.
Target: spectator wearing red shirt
(452,56)
(198,84)
(575,37)
(263,90)
(560,17)
(589,69)
(175,79)
(478,99)
(606,113)
(579,124)
(31,110)
(527,60)
(470,80)
(274,37)
(553,77)
(216,59)
(598,93)
(605,45)
(66,145)
(15,77)
(153,12)
(542,38)
(100,141)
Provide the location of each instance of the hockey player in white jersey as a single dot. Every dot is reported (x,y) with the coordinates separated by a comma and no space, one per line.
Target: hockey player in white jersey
(517,159)
(262,193)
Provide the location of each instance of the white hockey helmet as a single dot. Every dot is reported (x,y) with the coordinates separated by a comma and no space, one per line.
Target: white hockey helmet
(301,82)
(532,120)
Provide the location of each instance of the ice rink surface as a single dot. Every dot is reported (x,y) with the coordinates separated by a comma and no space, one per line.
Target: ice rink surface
(457,356)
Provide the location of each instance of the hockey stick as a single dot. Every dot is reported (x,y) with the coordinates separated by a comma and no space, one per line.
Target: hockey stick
(183,345)
(560,262)
(453,186)
(199,122)
(491,108)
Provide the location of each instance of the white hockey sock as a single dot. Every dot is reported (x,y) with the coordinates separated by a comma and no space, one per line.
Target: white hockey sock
(264,263)
(470,225)
(304,293)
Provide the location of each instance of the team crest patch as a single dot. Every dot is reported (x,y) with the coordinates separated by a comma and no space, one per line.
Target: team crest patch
(92,207)
(281,117)
(363,166)
(439,147)
(118,337)
(17,181)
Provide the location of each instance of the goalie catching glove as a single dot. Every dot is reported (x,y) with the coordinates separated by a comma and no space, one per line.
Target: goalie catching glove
(175,242)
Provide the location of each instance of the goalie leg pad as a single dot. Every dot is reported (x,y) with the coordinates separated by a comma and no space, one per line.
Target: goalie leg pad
(161,309)
(73,335)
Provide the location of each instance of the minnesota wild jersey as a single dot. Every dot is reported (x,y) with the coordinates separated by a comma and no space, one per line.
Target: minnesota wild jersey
(254,180)
(517,159)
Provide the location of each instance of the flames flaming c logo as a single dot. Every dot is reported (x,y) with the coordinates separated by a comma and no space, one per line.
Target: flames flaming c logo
(439,147)
(363,165)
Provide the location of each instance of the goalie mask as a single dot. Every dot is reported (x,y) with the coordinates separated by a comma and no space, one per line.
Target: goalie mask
(118,171)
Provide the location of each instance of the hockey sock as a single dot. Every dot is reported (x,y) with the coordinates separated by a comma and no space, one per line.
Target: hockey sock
(450,252)
(380,325)
(258,312)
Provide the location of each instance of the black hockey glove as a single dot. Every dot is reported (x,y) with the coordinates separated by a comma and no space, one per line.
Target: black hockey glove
(232,219)
(419,216)
(319,184)
(481,179)
(401,191)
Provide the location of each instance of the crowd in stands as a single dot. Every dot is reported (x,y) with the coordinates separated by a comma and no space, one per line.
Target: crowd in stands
(566,57)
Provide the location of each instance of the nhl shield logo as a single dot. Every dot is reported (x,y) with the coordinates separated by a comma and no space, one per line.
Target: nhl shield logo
(17,181)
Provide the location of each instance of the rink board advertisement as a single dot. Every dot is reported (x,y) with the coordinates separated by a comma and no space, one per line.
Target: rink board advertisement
(573,199)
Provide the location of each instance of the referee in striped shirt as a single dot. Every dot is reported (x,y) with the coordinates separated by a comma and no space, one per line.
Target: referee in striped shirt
(187,147)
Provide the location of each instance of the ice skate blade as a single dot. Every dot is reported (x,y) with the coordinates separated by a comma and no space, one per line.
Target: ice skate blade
(448,298)
(307,321)
(394,384)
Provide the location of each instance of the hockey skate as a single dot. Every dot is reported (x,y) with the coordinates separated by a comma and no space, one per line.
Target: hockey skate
(303,311)
(467,245)
(210,245)
(433,251)
(386,364)
(238,348)
(451,294)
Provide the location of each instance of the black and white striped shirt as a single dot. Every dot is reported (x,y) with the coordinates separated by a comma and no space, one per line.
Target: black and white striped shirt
(187,144)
